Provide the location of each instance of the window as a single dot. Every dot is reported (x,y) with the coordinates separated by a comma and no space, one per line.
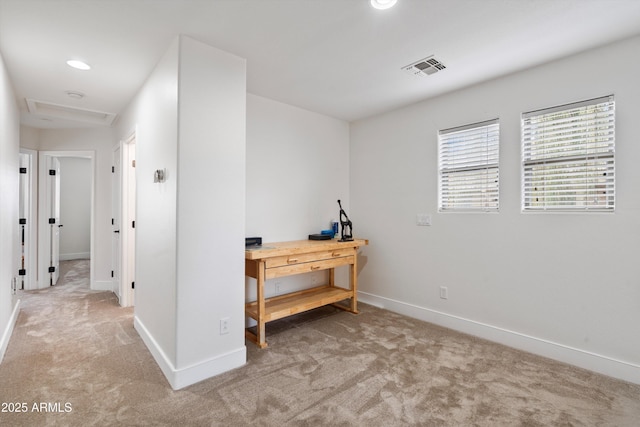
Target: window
(468,167)
(568,157)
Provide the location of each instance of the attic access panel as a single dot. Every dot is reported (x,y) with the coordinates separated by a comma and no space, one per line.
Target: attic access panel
(58,111)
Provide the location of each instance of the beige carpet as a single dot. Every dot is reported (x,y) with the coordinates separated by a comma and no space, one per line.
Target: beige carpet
(75,351)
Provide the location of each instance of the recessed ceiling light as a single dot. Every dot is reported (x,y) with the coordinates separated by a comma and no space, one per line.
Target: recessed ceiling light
(78,64)
(383,4)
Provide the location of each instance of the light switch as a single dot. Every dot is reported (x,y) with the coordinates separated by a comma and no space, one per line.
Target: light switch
(423,219)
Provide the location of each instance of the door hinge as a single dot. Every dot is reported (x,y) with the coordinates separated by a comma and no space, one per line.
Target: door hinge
(22,221)
(22,272)
(133,224)
(52,172)
(52,220)
(113,169)
(52,269)
(111,273)
(112,221)
(133,285)
(23,170)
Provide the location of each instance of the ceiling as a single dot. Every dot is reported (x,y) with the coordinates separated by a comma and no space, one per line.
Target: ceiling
(341,58)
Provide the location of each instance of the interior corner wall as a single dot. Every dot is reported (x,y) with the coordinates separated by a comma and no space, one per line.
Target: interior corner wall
(564,285)
(297,169)
(9,183)
(189,119)
(29,138)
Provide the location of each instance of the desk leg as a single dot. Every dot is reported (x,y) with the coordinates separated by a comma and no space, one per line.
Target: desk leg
(332,277)
(260,329)
(353,272)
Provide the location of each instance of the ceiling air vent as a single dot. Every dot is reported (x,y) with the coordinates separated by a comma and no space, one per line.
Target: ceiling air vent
(424,67)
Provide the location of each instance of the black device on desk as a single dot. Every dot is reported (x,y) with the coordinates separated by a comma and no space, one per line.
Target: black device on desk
(320,237)
(346,232)
(252,241)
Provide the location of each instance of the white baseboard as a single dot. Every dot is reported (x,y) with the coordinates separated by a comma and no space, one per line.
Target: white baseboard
(594,362)
(102,285)
(180,378)
(80,255)
(8,331)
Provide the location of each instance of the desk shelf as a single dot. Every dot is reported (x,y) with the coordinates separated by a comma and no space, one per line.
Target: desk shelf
(297,302)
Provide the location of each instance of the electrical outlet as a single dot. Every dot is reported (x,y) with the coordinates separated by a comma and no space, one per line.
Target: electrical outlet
(276,288)
(423,219)
(444,292)
(224,326)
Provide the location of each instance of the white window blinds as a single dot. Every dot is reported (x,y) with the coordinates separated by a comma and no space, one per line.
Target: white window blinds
(568,157)
(468,167)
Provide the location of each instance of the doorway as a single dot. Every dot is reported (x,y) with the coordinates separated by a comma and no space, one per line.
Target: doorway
(49,224)
(75,208)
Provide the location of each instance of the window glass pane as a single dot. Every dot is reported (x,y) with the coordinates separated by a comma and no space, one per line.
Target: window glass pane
(468,167)
(568,157)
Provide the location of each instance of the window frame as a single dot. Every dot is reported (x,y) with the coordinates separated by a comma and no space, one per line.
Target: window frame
(573,157)
(467,165)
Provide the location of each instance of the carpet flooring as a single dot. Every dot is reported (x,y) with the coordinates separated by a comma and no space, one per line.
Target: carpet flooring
(74,359)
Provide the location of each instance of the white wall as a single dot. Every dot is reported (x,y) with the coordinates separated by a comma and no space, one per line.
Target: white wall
(101,141)
(9,183)
(29,138)
(211,204)
(75,207)
(190,120)
(297,169)
(154,113)
(562,285)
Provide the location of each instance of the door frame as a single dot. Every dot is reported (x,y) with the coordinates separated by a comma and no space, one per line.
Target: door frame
(117,231)
(31,242)
(43,216)
(127,231)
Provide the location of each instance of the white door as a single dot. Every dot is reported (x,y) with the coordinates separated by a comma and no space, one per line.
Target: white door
(127,211)
(116,200)
(131,220)
(24,220)
(54,220)
(28,231)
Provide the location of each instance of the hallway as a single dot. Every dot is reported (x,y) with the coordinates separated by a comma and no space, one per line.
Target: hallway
(69,349)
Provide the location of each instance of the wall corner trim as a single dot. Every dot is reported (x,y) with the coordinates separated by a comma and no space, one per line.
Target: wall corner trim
(180,378)
(6,335)
(103,285)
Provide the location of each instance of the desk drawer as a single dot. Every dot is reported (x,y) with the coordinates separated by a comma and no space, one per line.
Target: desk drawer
(307,267)
(304,258)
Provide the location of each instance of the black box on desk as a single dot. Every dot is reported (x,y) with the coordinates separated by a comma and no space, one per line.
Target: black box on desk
(252,241)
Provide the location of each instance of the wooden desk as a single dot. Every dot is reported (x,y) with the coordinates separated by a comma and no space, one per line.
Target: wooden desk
(303,256)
